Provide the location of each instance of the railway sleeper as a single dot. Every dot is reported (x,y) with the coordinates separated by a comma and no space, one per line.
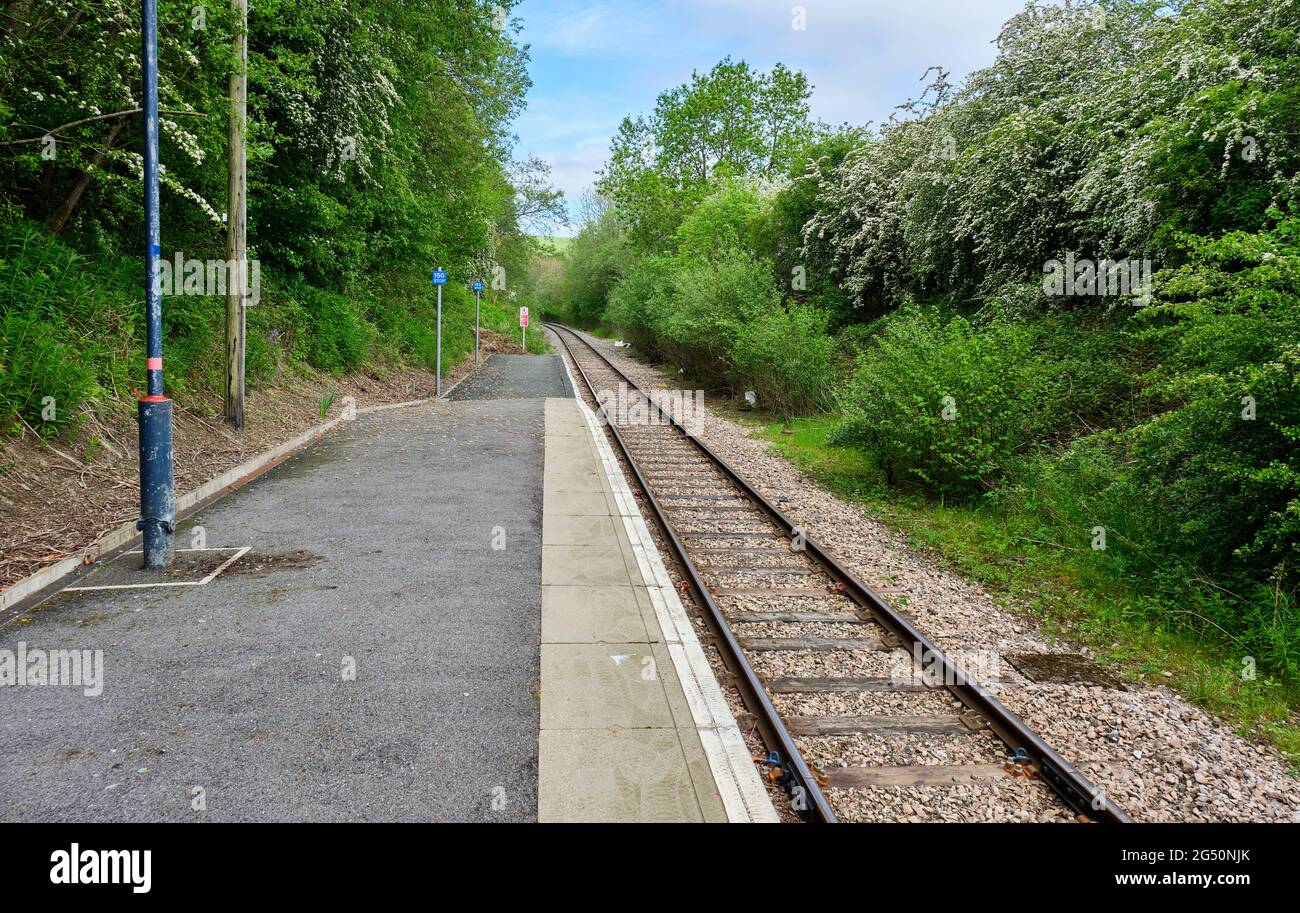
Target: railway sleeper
(927,723)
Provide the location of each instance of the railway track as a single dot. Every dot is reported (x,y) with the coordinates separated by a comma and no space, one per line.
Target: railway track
(745,563)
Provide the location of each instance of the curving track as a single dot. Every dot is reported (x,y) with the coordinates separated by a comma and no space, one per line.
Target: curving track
(745,563)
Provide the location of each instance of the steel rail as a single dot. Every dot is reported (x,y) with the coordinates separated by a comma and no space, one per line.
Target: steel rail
(1071,785)
(773,732)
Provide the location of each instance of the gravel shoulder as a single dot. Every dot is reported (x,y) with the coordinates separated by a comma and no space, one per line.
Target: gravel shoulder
(1157,756)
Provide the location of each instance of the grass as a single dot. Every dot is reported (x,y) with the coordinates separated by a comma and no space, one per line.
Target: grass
(504,318)
(1067,595)
(557,243)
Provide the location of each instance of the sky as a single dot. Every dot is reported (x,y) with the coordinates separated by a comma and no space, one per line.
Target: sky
(593,62)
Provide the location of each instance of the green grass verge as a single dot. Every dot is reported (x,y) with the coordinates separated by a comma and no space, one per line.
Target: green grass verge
(556,243)
(1065,594)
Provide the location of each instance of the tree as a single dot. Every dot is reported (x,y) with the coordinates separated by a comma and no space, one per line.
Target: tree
(731,121)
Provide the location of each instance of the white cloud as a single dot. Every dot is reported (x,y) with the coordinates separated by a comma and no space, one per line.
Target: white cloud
(864,56)
(629,28)
(574,166)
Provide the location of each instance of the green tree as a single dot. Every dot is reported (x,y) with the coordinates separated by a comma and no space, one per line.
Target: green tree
(731,121)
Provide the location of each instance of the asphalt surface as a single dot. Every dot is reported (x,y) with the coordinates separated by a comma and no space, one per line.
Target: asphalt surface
(515,377)
(373,547)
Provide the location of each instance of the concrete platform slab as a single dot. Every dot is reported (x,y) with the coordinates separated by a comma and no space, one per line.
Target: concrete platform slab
(597,686)
(567,529)
(590,615)
(624,736)
(636,775)
(584,565)
(572,480)
(557,503)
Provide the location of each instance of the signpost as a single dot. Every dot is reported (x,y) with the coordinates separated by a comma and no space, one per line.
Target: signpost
(439,280)
(157,492)
(478,299)
(523,328)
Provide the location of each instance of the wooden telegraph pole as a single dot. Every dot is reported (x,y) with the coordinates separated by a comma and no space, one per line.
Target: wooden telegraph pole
(237,222)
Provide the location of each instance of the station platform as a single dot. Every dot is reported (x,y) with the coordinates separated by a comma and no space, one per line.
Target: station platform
(440,613)
(634,726)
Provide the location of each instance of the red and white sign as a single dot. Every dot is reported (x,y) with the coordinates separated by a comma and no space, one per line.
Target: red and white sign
(523,317)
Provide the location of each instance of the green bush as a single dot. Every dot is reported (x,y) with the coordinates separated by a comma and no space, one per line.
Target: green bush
(639,301)
(853,340)
(786,358)
(61,332)
(1097,499)
(595,263)
(712,300)
(949,405)
(728,219)
(1222,461)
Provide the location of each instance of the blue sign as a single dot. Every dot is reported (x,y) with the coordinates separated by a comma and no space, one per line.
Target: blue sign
(439,277)
(478,285)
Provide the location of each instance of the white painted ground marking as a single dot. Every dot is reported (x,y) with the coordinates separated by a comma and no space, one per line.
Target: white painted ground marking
(239,553)
(743,795)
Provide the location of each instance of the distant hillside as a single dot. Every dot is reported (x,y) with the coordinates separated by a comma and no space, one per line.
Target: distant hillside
(558,244)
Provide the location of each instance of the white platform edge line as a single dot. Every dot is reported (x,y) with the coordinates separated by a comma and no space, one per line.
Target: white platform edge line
(743,795)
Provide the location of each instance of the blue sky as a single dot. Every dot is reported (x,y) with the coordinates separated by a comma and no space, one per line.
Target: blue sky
(595,61)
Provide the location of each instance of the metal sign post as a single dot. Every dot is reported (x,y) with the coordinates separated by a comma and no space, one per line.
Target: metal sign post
(439,280)
(478,300)
(523,329)
(157,492)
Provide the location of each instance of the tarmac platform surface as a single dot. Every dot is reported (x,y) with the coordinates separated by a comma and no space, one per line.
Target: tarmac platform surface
(514,377)
(375,545)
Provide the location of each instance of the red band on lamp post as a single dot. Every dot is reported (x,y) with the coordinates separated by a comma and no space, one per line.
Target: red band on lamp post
(153,364)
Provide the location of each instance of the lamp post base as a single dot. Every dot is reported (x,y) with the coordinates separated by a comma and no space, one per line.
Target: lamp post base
(157,494)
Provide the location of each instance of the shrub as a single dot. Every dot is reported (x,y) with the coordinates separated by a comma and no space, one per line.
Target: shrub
(1099,482)
(595,263)
(336,337)
(713,302)
(948,405)
(639,301)
(58,323)
(785,357)
(728,219)
(1222,460)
